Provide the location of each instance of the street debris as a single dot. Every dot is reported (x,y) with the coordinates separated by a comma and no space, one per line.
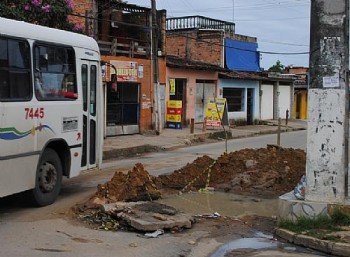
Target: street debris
(155,234)
(100,220)
(209,215)
(299,190)
(127,200)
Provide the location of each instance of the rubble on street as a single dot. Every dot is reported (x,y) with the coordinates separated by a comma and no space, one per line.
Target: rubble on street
(127,200)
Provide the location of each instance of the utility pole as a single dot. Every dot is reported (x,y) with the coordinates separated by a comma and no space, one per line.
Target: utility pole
(233,11)
(155,29)
(328,125)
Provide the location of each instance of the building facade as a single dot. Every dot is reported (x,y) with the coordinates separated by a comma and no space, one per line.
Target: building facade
(134,61)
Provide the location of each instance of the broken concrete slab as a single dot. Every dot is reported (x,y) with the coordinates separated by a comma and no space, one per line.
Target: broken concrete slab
(146,222)
(148,216)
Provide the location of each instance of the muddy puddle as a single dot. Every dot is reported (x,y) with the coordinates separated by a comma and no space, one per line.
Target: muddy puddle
(225,204)
(260,241)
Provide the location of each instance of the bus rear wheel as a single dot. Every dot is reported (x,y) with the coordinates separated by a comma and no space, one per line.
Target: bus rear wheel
(48,179)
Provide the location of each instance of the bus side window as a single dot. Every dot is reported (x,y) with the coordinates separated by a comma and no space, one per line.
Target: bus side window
(15,82)
(57,72)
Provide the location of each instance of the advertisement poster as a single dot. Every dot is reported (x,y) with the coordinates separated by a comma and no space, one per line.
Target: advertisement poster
(216,109)
(172,86)
(126,71)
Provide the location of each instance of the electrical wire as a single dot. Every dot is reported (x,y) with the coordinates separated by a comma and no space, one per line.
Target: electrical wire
(199,40)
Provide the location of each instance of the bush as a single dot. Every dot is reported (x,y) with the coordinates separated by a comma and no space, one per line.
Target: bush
(50,13)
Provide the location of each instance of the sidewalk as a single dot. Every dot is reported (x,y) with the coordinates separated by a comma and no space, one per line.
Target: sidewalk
(128,145)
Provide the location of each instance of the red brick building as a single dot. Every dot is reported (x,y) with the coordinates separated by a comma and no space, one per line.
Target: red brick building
(123,32)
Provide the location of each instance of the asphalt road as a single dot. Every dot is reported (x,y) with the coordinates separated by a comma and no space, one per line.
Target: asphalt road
(168,161)
(47,231)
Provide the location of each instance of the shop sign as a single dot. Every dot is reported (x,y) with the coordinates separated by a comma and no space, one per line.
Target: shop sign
(216,112)
(126,71)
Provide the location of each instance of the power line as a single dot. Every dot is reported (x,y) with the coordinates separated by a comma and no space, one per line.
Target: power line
(199,40)
(281,19)
(281,43)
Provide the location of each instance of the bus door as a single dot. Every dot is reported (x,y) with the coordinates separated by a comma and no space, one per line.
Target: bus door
(89,73)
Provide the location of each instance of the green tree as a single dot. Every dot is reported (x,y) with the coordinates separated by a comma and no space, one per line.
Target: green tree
(50,13)
(277,67)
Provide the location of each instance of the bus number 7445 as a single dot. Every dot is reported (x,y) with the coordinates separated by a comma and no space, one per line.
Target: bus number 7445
(32,113)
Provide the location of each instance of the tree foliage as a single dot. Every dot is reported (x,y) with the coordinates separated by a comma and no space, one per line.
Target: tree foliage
(277,67)
(51,13)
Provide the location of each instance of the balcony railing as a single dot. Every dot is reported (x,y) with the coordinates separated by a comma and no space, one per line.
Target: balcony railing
(131,48)
(199,22)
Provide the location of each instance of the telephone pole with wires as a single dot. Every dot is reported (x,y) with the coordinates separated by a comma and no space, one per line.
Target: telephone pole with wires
(155,65)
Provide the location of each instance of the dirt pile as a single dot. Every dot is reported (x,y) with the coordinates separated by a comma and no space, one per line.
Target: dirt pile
(267,172)
(136,185)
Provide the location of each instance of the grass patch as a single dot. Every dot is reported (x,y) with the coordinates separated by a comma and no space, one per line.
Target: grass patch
(319,227)
(340,218)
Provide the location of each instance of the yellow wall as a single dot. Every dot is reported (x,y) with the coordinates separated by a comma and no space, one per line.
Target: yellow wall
(300,99)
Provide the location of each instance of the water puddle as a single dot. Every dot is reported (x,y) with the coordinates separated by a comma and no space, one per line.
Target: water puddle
(264,242)
(245,243)
(225,204)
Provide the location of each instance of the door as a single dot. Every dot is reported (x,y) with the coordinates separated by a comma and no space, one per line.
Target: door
(204,91)
(89,82)
(250,106)
(123,108)
(180,95)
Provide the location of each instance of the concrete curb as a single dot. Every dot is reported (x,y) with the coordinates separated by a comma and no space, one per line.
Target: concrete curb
(147,148)
(329,247)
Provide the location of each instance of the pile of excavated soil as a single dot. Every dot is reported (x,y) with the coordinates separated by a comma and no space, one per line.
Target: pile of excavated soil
(265,172)
(136,185)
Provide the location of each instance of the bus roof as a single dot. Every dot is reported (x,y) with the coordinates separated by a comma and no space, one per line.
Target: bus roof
(36,32)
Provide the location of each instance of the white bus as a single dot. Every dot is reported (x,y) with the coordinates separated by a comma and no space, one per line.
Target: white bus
(50,108)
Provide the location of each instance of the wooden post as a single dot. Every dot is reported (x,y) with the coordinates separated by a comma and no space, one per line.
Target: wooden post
(192,125)
(287,116)
(204,125)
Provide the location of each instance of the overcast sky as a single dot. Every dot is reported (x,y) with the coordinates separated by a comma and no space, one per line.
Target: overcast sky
(281,26)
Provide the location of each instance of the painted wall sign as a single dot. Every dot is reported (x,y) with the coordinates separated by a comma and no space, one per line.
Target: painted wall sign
(126,71)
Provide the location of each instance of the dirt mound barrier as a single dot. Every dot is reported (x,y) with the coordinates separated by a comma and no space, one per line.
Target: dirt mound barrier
(265,171)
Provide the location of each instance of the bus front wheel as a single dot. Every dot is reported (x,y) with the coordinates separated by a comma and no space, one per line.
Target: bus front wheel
(48,178)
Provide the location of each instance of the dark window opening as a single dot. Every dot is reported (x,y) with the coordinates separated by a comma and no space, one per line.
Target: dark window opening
(234,98)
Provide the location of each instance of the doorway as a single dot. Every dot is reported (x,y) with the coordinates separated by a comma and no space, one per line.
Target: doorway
(180,95)
(250,106)
(204,91)
(123,107)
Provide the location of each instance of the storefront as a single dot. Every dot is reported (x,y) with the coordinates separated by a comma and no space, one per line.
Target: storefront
(129,95)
